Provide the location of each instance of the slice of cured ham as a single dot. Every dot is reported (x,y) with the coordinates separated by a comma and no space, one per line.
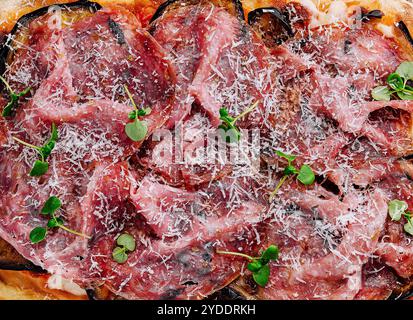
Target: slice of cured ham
(86,168)
(178,259)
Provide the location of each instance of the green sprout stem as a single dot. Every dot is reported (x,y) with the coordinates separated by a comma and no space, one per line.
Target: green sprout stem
(70,230)
(246,111)
(74,232)
(24,143)
(279,185)
(27,144)
(237,254)
(9,89)
(130,97)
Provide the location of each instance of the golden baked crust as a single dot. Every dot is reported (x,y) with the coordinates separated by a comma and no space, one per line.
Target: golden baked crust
(26,285)
(32,285)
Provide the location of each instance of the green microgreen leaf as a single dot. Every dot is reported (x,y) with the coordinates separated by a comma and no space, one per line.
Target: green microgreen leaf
(270,254)
(136,130)
(39,168)
(10,106)
(223,113)
(290,158)
(133,115)
(38,234)
(262,276)
(230,132)
(258,265)
(405,95)
(395,82)
(127,241)
(144,112)
(254,266)
(49,209)
(55,223)
(290,170)
(396,209)
(47,149)
(51,205)
(408,228)
(405,70)
(398,82)
(306,175)
(381,93)
(14,97)
(119,255)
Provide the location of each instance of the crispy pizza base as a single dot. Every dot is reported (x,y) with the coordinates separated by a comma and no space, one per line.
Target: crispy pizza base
(33,285)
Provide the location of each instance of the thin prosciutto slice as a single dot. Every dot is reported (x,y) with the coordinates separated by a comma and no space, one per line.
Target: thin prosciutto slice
(178,260)
(92,143)
(218,60)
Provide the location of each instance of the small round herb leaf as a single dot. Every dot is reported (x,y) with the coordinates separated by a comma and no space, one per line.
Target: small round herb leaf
(132,115)
(395,82)
(408,228)
(14,98)
(396,209)
(381,93)
(405,70)
(262,275)
(306,175)
(37,234)
(127,241)
(55,223)
(290,158)
(39,168)
(290,170)
(254,266)
(119,255)
(405,95)
(52,223)
(223,112)
(51,205)
(136,130)
(47,149)
(144,112)
(270,254)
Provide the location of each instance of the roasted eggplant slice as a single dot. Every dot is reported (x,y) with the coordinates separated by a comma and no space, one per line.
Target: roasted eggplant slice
(373,14)
(403,28)
(272,24)
(227,293)
(11,260)
(232,6)
(70,12)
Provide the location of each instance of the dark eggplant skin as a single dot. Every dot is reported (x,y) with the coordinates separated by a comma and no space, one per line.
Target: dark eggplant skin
(6,46)
(10,259)
(405,30)
(373,14)
(273,25)
(227,294)
(232,6)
